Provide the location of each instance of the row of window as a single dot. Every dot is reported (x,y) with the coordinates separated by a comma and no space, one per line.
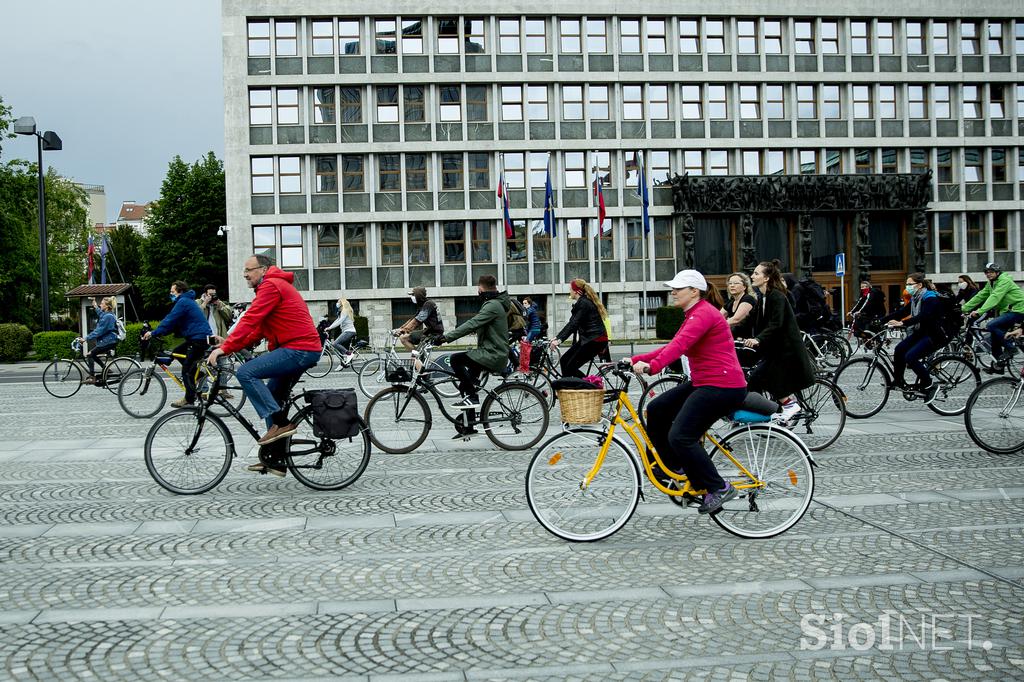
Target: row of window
(290,37)
(976,230)
(632,102)
(456,171)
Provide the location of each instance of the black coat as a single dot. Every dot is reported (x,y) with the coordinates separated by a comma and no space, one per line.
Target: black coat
(586,322)
(785,367)
(927,322)
(871,306)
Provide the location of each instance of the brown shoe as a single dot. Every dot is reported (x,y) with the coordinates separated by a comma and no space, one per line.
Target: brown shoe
(89,380)
(180,403)
(261,468)
(276,432)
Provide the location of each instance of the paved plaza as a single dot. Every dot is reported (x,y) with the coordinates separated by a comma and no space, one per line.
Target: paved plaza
(909,565)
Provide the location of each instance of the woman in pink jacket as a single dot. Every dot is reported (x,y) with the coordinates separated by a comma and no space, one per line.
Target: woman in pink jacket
(678,418)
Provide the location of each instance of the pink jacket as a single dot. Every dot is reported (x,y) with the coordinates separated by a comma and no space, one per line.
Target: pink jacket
(705,339)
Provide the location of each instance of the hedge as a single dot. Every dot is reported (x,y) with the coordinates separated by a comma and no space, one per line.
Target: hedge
(15,342)
(362,327)
(48,345)
(667,321)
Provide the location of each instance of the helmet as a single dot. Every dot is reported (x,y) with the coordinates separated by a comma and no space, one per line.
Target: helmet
(993,267)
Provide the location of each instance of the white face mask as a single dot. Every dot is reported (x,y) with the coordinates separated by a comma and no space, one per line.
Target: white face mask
(412,298)
(961,286)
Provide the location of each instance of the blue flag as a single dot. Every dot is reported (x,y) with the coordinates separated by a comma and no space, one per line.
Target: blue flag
(103,259)
(549,205)
(641,191)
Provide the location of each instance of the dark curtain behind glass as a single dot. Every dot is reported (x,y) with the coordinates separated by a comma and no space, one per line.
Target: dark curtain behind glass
(886,242)
(771,240)
(827,241)
(712,246)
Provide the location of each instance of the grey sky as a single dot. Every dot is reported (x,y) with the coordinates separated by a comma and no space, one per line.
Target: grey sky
(126,84)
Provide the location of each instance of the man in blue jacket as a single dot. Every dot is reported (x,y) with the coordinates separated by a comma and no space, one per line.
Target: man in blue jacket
(187,320)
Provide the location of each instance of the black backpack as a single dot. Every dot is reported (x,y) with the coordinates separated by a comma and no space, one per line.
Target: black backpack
(812,310)
(950,317)
(335,412)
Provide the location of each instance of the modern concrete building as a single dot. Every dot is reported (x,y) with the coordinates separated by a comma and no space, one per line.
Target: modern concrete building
(364,148)
(97,198)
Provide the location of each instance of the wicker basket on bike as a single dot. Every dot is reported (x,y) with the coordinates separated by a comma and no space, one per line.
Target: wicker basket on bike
(580,401)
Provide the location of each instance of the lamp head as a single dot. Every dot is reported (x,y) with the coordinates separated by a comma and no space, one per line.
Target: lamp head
(223,229)
(52,142)
(26,125)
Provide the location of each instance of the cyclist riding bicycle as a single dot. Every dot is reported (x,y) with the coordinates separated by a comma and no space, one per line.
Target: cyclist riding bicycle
(1002,295)
(678,418)
(188,320)
(868,308)
(923,316)
(533,325)
(346,325)
(278,314)
(588,323)
(105,336)
(427,316)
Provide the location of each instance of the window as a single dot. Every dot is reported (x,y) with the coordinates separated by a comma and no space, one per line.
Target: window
(775,101)
(1000,231)
(774,162)
(476,39)
(511,103)
(515,246)
(998,164)
(262,170)
(387,104)
(940,37)
(772,36)
(887,101)
(264,240)
(606,240)
(572,102)
(860,37)
(348,37)
(718,102)
(537,102)
(632,102)
(692,104)
(447,35)
(576,239)
(570,36)
(657,101)
(714,36)
(536,36)
(629,36)
(508,36)
(806,102)
(259,38)
(808,161)
(323,36)
(751,162)
(287,106)
(352,173)
(693,162)
(804,35)
(918,161)
(355,244)
(689,36)
(864,161)
(419,243)
(479,170)
(634,239)
(996,100)
(973,168)
(259,108)
(597,35)
(328,252)
(391,244)
(414,103)
(718,162)
(886,38)
(286,41)
(385,34)
(289,175)
(829,37)
(659,167)
(915,38)
(947,232)
(890,161)
(862,101)
(746,36)
(972,101)
(389,172)
(969,38)
(656,42)
(412,36)
(480,241)
(976,232)
(831,102)
(515,170)
(943,101)
(538,168)
(1019,36)
(575,174)
(323,104)
(1020,102)
(326,174)
(602,161)
(833,162)
(917,101)
(750,102)
(597,104)
(476,103)
(416,171)
(291,246)
(351,103)
(451,105)
(944,166)
(454,241)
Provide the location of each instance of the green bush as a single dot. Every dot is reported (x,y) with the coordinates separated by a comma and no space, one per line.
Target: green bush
(48,345)
(667,321)
(362,327)
(15,342)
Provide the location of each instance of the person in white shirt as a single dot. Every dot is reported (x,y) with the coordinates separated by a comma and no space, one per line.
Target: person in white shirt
(346,323)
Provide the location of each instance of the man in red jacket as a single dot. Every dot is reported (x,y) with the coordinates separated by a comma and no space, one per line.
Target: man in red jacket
(279,315)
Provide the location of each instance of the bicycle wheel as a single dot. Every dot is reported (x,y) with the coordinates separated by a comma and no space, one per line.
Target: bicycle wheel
(515,416)
(445,384)
(62,378)
(142,393)
(833,352)
(995,415)
(784,475)
(399,419)
(637,388)
(536,379)
(230,392)
(865,385)
(822,415)
(324,463)
(654,389)
(371,377)
(187,453)
(563,504)
(116,370)
(957,381)
(323,366)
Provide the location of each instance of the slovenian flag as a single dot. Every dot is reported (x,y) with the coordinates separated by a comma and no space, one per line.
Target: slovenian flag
(103,259)
(602,212)
(90,250)
(503,195)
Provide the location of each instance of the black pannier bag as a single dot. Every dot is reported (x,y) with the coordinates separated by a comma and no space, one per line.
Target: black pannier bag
(335,412)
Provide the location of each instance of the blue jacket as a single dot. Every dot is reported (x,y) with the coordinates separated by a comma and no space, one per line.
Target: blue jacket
(186,319)
(532,319)
(105,333)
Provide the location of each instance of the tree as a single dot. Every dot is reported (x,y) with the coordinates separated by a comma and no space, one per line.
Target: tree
(5,123)
(124,262)
(183,222)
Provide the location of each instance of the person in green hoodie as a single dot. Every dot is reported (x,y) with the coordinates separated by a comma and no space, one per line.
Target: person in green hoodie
(491,353)
(1003,295)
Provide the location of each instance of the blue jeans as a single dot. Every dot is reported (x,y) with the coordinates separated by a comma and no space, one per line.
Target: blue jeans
(999,327)
(344,341)
(282,366)
(910,352)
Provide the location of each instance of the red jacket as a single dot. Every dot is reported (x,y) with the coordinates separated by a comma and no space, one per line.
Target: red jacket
(277,314)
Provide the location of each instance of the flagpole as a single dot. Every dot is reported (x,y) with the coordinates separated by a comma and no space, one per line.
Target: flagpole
(504,198)
(551,253)
(642,178)
(600,225)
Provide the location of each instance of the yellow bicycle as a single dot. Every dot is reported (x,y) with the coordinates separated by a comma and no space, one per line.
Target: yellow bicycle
(584,483)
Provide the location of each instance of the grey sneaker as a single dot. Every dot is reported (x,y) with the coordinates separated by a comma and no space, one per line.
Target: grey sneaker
(930,392)
(714,501)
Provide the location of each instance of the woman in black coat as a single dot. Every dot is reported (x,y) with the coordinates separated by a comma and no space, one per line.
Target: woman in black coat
(587,323)
(965,290)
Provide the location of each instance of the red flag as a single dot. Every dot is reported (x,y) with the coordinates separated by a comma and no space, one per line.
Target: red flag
(90,251)
(503,195)
(602,212)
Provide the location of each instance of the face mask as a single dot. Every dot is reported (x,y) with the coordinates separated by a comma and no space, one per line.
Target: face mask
(173,297)
(961,286)
(412,298)
(910,290)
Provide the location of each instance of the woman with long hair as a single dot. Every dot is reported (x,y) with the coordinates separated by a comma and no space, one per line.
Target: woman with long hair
(738,310)
(965,289)
(588,324)
(346,324)
(923,314)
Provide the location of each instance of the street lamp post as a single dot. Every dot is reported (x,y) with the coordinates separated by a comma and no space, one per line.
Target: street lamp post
(48,141)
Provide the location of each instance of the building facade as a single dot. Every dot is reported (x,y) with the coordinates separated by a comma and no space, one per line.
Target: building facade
(364,149)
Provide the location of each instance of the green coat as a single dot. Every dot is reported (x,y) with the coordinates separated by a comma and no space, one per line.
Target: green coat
(1005,297)
(491,328)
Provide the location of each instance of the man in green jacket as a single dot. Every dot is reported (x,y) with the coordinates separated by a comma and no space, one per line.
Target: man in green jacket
(1004,296)
(491,353)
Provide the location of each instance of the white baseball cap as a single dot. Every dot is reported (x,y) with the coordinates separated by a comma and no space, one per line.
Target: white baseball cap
(688,278)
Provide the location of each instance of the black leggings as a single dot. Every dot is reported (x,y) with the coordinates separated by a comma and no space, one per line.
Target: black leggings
(193,352)
(468,371)
(93,357)
(580,354)
(678,418)
(909,353)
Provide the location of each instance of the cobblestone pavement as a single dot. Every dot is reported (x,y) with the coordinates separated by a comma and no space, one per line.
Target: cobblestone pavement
(432,567)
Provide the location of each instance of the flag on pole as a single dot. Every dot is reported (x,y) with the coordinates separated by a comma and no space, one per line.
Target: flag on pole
(641,191)
(602,212)
(103,259)
(503,195)
(90,250)
(547,223)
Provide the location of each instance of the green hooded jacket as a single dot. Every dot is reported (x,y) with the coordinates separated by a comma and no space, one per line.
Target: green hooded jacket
(1004,295)
(491,328)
